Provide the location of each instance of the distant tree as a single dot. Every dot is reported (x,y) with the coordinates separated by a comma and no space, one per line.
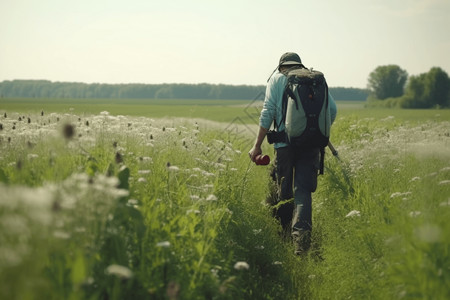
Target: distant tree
(387,82)
(428,90)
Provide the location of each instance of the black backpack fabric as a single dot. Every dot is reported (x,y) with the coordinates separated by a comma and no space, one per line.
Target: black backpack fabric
(306,110)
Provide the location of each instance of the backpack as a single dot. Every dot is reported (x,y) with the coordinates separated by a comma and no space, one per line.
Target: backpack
(306,110)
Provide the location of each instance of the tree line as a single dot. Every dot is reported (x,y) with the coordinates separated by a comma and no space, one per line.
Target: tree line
(49,89)
(390,86)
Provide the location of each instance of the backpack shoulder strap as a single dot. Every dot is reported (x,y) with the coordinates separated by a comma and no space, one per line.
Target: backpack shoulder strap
(284,102)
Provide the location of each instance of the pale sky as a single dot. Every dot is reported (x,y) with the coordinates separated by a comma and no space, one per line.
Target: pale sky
(207,41)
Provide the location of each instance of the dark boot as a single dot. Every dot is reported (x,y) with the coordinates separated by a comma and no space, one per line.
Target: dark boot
(301,236)
(302,241)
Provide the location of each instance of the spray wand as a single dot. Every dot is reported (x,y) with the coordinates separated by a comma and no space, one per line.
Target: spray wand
(333,150)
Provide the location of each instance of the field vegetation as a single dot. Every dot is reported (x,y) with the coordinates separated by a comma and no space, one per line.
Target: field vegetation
(112,200)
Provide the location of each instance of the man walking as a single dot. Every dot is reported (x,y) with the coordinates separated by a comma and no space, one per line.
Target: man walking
(296,170)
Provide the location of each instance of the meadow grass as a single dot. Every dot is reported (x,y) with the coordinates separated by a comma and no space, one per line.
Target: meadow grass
(246,111)
(100,205)
(217,110)
(383,212)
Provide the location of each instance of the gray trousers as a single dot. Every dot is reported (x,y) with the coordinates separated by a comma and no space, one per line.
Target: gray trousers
(296,173)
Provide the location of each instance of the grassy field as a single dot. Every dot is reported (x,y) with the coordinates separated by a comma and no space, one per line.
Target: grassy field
(219,110)
(123,200)
(215,110)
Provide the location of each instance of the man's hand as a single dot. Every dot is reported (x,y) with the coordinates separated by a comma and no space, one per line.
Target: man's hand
(255,151)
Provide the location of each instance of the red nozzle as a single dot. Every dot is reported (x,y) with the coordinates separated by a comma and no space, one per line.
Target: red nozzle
(262,160)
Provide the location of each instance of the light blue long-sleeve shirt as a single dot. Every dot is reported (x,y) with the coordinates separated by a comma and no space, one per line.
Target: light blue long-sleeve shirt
(272,109)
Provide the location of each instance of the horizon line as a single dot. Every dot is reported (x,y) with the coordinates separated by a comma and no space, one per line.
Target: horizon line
(164,83)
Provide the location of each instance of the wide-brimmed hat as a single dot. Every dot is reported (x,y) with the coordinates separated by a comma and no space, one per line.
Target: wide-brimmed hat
(290,58)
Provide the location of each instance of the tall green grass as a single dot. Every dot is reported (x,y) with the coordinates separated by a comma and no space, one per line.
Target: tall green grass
(132,208)
(382,213)
(136,208)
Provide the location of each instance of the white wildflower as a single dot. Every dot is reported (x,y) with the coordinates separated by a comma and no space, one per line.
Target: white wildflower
(61,235)
(415,179)
(399,194)
(388,118)
(132,202)
(445,203)
(353,213)
(192,211)
(89,281)
(195,197)
(12,257)
(241,265)
(32,156)
(173,168)
(444,169)
(215,272)
(211,198)
(257,231)
(119,271)
(142,179)
(165,244)
(414,214)
(104,113)
(143,172)
(219,165)
(444,182)
(277,263)
(259,247)
(80,229)
(119,192)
